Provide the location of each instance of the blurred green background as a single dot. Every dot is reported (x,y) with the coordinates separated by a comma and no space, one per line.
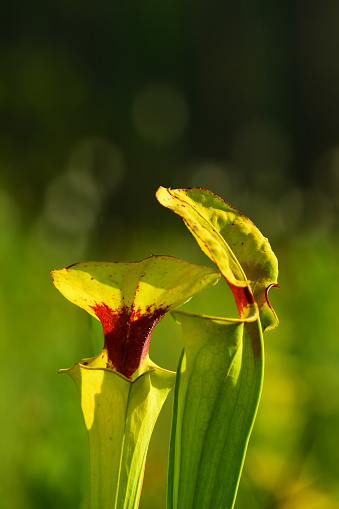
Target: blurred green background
(101,103)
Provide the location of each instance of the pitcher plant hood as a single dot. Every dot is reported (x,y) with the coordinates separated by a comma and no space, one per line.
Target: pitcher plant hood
(240,251)
(129,298)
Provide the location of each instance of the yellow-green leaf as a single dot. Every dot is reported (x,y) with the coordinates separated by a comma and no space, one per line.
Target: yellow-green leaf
(220,373)
(242,254)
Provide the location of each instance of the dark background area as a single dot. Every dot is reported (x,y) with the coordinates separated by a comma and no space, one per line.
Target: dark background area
(100,104)
(151,93)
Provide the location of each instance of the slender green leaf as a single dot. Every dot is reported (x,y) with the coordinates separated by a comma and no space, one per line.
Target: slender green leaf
(217,393)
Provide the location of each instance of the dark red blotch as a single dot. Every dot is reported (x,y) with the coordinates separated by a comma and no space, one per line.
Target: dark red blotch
(127,335)
(243,297)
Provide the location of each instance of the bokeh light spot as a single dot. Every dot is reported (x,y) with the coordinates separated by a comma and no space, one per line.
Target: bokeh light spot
(98,164)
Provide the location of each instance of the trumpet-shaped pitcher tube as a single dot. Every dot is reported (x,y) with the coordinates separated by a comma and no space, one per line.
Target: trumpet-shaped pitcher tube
(121,390)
